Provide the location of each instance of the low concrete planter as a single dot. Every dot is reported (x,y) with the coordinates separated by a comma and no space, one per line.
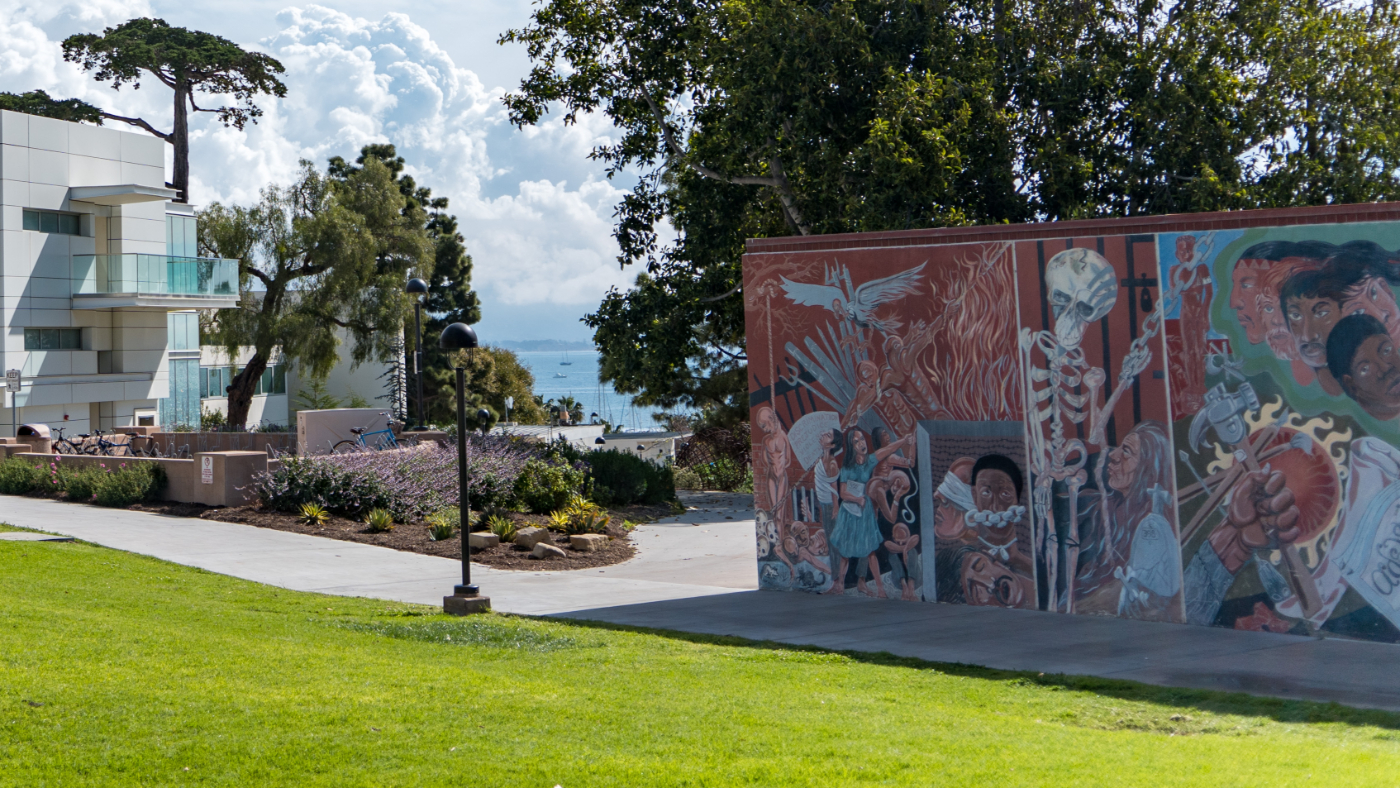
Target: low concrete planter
(221,478)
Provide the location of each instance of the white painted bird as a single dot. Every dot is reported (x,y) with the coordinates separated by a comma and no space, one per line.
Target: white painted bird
(857,303)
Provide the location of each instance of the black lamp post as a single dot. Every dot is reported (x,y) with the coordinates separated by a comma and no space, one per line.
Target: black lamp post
(419,288)
(466,598)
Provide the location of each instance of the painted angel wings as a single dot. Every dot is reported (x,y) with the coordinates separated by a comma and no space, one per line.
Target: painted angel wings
(858,306)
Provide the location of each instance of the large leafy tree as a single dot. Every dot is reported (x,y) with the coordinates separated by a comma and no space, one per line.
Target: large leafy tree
(450,298)
(38,102)
(328,254)
(189,62)
(492,374)
(752,118)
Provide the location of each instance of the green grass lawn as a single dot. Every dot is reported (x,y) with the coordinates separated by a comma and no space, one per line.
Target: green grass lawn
(122,670)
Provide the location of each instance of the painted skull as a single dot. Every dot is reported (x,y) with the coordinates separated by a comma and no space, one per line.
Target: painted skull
(1082,289)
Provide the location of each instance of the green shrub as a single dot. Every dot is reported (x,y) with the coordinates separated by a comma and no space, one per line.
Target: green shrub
(544,486)
(18,477)
(688,479)
(621,478)
(128,483)
(725,474)
(380,521)
(79,483)
(314,514)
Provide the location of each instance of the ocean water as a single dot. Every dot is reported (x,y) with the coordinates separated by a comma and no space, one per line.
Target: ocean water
(580,381)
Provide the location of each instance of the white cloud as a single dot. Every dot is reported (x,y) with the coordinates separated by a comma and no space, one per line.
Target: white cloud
(535,212)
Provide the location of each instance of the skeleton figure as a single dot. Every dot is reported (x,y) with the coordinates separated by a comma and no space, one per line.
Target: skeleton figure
(1083,288)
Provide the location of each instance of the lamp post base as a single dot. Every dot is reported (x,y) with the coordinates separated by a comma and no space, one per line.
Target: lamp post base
(465,600)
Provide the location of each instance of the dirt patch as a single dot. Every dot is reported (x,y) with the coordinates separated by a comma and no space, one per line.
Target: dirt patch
(413,537)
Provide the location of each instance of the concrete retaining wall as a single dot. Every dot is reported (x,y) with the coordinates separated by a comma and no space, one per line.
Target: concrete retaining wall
(211,478)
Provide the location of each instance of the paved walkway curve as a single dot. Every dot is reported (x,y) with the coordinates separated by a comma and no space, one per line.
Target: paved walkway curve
(708,550)
(696,573)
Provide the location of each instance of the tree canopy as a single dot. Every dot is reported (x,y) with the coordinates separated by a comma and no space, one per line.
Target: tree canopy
(186,61)
(493,373)
(328,253)
(38,102)
(450,297)
(753,118)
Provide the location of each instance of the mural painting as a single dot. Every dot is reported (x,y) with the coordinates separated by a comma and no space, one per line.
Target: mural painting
(847,385)
(1104,491)
(1191,427)
(1288,523)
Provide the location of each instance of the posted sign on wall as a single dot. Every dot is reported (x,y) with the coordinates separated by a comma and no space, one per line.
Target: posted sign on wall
(206,470)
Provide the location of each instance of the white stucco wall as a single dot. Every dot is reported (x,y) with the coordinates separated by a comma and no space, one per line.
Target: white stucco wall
(123,364)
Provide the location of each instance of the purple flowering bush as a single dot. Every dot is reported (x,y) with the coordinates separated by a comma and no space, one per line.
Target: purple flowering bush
(410,482)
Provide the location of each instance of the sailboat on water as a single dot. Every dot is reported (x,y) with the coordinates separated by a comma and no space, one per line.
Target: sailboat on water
(566,362)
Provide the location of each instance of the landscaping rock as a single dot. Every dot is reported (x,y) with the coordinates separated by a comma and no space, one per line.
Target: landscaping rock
(587,543)
(483,540)
(529,537)
(543,551)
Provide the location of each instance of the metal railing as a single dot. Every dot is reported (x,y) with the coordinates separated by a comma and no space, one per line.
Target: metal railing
(153,274)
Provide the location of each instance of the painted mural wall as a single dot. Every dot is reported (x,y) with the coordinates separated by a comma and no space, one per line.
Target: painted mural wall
(1191,427)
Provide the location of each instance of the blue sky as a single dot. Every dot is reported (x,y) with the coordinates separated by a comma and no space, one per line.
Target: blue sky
(427,76)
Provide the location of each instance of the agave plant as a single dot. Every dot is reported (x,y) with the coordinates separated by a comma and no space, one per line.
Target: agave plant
(502,526)
(442,524)
(379,521)
(581,516)
(314,514)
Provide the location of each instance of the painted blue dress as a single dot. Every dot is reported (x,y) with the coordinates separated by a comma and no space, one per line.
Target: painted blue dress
(856,534)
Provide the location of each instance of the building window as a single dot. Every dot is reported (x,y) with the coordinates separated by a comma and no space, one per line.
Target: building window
(214,381)
(180,237)
(50,222)
(183,330)
(53,339)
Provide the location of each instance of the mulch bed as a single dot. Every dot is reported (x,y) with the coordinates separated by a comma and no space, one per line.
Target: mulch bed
(413,537)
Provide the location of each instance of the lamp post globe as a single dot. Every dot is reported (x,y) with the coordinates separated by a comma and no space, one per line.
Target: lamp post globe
(417,287)
(466,598)
(458,336)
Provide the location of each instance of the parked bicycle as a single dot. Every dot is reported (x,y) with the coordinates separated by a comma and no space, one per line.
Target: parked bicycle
(99,445)
(62,445)
(378,440)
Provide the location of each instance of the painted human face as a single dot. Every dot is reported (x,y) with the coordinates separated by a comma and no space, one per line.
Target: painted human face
(1374,297)
(1123,463)
(1246,285)
(986,582)
(861,449)
(1374,380)
(948,520)
(1185,248)
(1310,320)
(993,491)
(826,441)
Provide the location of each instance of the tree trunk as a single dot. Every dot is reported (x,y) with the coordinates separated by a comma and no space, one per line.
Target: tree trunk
(180,138)
(240,392)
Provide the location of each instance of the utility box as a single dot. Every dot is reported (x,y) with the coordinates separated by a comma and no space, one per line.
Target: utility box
(318,431)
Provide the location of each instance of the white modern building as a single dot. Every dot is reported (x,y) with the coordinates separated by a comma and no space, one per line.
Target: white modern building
(101,280)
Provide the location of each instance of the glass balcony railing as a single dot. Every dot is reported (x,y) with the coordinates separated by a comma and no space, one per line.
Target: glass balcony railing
(154,274)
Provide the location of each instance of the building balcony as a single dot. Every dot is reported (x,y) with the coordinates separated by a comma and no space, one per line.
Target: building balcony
(153,281)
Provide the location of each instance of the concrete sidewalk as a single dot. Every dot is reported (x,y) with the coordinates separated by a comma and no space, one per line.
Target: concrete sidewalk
(696,573)
(708,550)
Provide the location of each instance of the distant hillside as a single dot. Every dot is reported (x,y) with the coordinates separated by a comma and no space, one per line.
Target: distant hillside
(543,345)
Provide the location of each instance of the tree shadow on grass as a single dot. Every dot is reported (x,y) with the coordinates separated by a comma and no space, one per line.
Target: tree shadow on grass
(1184,699)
